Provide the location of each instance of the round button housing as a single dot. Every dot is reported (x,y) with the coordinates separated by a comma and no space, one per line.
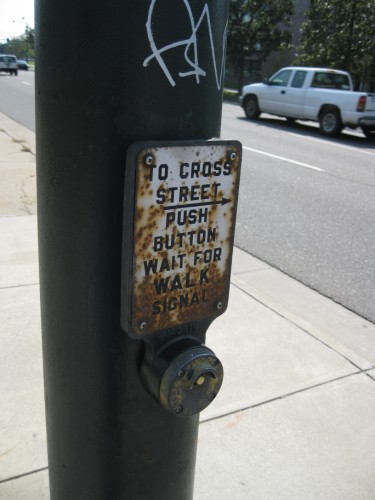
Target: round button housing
(191,381)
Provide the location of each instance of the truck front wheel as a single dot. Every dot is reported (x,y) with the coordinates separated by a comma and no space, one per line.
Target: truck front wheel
(251,107)
(369,133)
(330,122)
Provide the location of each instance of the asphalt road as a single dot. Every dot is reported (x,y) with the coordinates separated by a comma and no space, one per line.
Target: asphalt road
(17,97)
(306,205)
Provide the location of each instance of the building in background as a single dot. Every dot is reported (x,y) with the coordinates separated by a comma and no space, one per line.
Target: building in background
(283,58)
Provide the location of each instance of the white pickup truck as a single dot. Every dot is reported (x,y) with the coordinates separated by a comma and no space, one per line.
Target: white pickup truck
(317,94)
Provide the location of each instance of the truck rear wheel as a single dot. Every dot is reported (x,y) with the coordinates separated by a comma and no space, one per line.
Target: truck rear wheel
(251,107)
(330,122)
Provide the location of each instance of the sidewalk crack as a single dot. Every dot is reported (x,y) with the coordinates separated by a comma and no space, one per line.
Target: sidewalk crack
(282,396)
(23,475)
(18,286)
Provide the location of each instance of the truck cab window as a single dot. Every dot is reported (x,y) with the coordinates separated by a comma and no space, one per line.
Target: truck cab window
(328,80)
(299,79)
(281,79)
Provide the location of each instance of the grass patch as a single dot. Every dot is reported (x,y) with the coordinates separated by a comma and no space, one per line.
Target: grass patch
(230,95)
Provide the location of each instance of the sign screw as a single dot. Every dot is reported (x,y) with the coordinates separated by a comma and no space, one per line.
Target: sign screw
(148,159)
(219,305)
(233,156)
(142,325)
(179,409)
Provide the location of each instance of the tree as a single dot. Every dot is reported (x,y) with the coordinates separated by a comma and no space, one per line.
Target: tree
(21,46)
(29,37)
(341,35)
(256,28)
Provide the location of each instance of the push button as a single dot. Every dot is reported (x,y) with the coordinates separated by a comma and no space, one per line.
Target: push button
(191,381)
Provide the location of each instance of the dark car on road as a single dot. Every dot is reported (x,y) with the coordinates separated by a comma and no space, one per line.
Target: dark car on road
(22,64)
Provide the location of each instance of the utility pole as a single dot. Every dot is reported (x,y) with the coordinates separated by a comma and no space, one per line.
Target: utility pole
(124,88)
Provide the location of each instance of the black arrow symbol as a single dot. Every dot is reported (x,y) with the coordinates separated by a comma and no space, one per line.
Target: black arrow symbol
(223,201)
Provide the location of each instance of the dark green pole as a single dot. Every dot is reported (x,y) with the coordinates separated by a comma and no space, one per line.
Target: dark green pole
(108,74)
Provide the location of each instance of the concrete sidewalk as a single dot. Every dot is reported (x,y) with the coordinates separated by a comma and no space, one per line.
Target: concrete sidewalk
(295,418)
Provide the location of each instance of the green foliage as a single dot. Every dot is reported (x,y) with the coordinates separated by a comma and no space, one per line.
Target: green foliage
(256,28)
(341,35)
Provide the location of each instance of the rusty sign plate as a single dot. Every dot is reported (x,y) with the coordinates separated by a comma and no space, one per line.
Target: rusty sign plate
(179,219)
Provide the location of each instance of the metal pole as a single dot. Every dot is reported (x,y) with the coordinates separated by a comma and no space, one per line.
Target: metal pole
(108,74)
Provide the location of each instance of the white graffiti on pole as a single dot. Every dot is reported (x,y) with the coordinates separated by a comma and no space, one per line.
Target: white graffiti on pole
(191,46)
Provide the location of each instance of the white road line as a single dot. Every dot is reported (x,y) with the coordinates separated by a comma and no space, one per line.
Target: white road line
(342,146)
(26,83)
(300,164)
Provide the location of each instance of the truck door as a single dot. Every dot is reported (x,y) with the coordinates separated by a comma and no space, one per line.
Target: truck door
(272,99)
(295,95)
(285,93)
